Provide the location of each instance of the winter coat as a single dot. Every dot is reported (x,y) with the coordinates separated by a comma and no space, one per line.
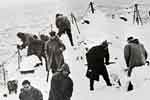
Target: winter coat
(61,87)
(135,54)
(26,39)
(54,52)
(63,23)
(36,47)
(33,94)
(95,59)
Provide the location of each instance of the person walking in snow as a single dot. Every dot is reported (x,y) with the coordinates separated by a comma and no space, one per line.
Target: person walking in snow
(61,84)
(96,65)
(135,55)
(64,26)
(54,52)
(28,92)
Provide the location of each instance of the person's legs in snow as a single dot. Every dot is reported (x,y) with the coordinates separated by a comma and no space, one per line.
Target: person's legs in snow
(68,31)
(91,84)
(106,77)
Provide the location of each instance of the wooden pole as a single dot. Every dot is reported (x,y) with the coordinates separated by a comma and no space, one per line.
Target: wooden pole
(19,58)
(92,7)
(75,20)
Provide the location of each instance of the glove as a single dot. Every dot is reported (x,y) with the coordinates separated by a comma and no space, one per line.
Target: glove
(107,63)
(147,62)
(19,47)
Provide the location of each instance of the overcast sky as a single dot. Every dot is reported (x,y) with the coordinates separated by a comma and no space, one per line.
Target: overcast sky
(7,3)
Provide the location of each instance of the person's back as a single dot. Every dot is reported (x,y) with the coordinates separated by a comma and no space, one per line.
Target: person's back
(135,54)
(63,22)
(96,55)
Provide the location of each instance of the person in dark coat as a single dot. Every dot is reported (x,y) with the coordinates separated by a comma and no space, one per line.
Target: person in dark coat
(26,38)
(28,92)
(135,54)
(35,46)
(64,26)
(54,48)
(61,84)
(96,65)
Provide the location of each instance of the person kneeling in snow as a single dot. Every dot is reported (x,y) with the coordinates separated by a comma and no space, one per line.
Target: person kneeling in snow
(96,65)
(28,92)
(61,84)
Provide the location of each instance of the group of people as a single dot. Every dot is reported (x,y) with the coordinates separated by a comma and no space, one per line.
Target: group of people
(61,87)
(98,57)
(51,49)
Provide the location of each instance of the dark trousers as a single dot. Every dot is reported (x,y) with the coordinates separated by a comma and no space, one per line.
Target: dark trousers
(105,76)
(68,32)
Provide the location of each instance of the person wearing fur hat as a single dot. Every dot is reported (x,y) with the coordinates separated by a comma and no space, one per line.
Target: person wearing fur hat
(64,26)
(54,48)
(97,57)
(61,84)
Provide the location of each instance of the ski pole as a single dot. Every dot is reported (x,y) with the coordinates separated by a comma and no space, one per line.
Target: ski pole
(47,76)
(19,58)
(75,20)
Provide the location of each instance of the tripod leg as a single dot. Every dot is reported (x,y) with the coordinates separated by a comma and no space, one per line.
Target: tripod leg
(134,16)
(140,17)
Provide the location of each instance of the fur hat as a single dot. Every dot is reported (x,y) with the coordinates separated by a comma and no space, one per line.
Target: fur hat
(25,82)
(129,39)
(52,33)
(58,14)
(105,43)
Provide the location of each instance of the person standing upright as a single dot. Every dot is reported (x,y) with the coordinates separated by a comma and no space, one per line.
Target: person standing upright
(54,48)
(61,84)
(28,92)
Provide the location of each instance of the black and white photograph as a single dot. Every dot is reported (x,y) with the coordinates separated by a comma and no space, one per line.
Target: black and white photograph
(74,49)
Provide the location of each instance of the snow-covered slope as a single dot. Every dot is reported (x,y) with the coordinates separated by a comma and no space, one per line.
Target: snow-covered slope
(36,18)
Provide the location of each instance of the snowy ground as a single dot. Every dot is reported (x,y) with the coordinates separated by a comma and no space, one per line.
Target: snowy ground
(34,19)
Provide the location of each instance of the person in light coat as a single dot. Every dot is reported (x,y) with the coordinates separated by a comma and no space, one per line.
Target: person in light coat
(54,48)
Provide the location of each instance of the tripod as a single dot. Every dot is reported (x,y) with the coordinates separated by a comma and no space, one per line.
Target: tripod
(136,16)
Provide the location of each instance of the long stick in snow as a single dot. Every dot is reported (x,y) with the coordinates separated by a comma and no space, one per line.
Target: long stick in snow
(19,58)
(75,20)
(47,76)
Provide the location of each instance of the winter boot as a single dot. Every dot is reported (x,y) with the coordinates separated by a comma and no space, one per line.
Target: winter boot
(130,86)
